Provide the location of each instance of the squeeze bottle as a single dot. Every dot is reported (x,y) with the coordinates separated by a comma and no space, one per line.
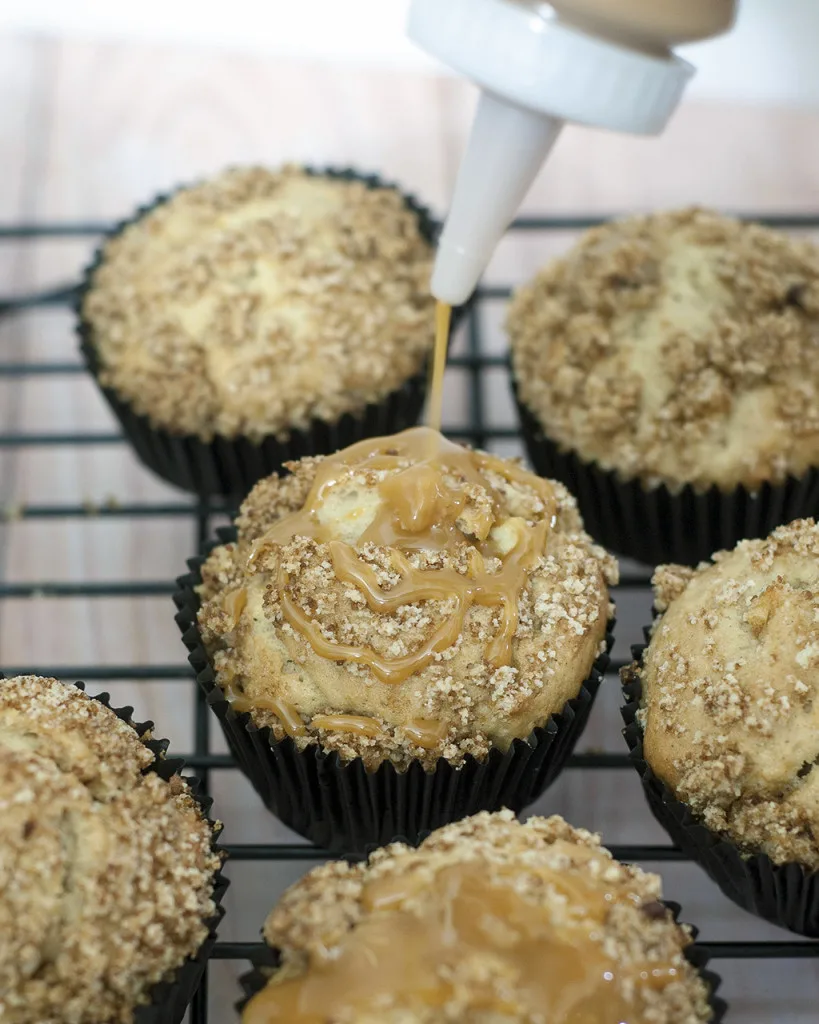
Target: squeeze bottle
(607,63)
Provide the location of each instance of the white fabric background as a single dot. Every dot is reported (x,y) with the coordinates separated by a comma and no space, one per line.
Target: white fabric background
(771,57)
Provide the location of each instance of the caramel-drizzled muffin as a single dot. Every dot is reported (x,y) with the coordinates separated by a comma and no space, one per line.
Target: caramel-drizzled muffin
(106,873)
(488,920)
(405,599)
(251,304)
(730,685)
(676,348)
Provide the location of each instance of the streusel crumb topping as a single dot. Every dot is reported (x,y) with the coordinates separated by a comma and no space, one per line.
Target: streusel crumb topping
(731,692)
(253,303)
(545,870)
(678,348)
(106,872)
(260,657)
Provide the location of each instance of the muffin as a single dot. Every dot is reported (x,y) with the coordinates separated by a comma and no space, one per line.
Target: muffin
(108,871)
(666,371)
(725,710)
(487,920)
(261,316)
(431,617)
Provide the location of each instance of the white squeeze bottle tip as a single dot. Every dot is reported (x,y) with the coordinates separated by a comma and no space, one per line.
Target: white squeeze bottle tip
(538,68)
(506,149)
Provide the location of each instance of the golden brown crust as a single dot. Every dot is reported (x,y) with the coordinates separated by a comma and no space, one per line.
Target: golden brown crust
(731,692)
(313,917)
(563,610)
(106,873)
(255,302)
(677,348)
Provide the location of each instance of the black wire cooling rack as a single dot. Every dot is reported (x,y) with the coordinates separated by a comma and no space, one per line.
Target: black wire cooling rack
(473,428)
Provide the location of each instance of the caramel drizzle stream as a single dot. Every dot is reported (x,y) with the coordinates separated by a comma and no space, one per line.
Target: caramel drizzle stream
(416,930)
(420,509)
(443,319)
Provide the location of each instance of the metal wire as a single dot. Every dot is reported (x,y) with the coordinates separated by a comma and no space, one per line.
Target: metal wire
(201,760)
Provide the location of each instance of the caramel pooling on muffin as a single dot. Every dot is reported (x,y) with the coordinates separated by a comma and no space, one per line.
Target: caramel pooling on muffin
(423,501)
(415,926)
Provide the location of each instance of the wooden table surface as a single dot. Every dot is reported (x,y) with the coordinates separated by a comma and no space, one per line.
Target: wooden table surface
(89,130)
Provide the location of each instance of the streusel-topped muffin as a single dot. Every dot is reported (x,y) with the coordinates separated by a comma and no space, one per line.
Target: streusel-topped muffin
(405,600)
(730,681)
(106,871)
(677,348)
(259,301)
(489,920)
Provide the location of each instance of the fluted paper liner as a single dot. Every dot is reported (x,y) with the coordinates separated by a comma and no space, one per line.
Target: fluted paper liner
(229,467)
(169,999)
(266,959)
(342,806)
(784,894)
(654,524)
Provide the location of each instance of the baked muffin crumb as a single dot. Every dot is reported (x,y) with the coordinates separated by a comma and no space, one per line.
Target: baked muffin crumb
(677,348)
(106,869)
(251,304)
(730,685)
(556,871)
(259,657)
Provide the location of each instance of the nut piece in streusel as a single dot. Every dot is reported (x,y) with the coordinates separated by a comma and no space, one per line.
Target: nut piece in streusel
(251,304)
(731,692)
(106,873)
(405,599)
(676,348)
(488,920)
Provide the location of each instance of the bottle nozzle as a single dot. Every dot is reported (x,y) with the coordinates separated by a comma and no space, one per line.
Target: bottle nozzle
(507,147)
(536,72)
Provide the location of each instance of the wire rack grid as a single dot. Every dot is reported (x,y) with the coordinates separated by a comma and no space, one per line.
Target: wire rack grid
(473,360)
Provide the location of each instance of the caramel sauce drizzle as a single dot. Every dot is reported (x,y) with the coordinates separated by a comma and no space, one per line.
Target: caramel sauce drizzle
(360,725)
(419,510)
(424,506)
(234,603)
(422,731)
(425,732)
(288,716)
(443,320)
(404,953)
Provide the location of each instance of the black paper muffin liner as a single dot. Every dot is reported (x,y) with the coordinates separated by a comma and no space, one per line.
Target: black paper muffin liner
(784,894)
(655,525)
(229,467)
(342,806)
(169,999)
(265,960)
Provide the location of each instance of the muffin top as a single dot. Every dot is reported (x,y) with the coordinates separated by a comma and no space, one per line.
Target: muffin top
(106,872)
(678,348)
(731,692)
(253,303)
(487,921)
(407,599)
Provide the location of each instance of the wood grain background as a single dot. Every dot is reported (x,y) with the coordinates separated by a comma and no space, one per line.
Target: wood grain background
(89,130)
